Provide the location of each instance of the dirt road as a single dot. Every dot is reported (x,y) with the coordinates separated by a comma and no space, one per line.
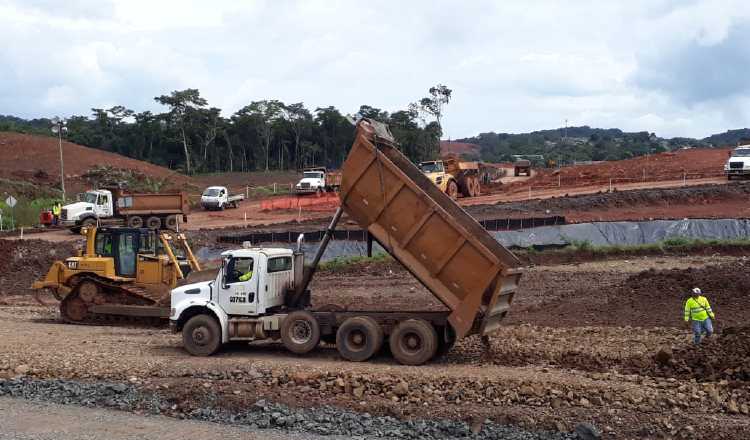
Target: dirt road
(520,194)
(548,376)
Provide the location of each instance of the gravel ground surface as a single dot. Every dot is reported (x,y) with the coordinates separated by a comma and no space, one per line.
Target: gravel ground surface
(321,421)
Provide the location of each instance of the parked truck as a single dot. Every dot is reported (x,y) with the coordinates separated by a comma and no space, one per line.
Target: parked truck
(114,206)
(263,293)
(738,164)
(454,177)
(218,197)
(318,180)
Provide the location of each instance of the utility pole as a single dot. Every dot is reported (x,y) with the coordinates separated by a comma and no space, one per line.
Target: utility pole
(58,127)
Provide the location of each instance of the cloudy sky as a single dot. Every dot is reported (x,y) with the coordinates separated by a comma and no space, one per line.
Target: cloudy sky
(677,68)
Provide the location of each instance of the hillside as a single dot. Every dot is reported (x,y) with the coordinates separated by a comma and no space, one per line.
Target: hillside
(459,148)
(35,159)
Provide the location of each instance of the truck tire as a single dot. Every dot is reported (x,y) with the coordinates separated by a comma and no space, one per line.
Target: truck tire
(89,222)
(153,223)
(300,332)
(477,188)
(413,342)
(201,335)
(452,190)
(516,172)
(171,222)
(446,340)
(359,338)
(135,221)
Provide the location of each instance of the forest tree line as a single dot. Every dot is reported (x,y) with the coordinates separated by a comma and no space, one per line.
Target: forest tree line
(194,137)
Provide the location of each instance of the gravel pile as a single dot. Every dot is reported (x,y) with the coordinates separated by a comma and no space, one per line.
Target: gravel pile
(263,415)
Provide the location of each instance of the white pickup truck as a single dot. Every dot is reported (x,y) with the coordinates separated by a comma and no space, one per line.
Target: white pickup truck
(218,197)
(738,163)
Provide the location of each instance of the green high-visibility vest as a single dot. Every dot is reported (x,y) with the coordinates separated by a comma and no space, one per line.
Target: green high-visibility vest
(698,309)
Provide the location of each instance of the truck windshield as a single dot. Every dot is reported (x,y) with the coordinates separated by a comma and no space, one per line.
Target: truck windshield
(211,192)
(431,167)
(312,175)
(744,152)
(89,197)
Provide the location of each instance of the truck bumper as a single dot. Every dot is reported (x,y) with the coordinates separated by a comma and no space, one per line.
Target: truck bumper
(737,172)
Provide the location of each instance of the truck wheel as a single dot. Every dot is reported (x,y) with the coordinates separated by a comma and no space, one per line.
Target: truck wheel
(135,221)
(153,223)
(300,332)
(171,222)
(413,342)
(359,338)
(220,207)
(452,190)
(201,335)
(89,222)
(516,172)
(477,188)
(446,340)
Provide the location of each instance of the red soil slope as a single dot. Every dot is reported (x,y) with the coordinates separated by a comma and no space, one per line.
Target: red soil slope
(24,156)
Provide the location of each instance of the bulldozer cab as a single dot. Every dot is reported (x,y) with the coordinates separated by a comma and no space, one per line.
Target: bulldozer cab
(124,246)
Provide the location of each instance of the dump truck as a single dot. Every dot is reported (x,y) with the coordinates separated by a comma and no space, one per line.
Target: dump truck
(120,272)
(263,293)
(453,176)
(318,180)
(522,166)
(114,206)
(218,197)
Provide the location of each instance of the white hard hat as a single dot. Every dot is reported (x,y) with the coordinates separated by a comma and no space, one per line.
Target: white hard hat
(696,291)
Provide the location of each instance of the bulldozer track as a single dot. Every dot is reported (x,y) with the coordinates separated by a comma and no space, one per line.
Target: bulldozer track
(110,288)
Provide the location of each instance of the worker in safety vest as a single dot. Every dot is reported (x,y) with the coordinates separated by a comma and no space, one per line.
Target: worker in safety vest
(698,312)
(56,210)
(247,275)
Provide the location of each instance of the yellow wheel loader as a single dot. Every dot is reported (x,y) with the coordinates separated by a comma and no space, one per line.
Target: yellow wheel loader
(121,272)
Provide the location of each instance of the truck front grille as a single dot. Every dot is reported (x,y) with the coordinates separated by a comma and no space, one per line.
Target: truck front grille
(63,214)
(734,165)
(305,185)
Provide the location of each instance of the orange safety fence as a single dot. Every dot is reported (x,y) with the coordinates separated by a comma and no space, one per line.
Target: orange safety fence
(323,202)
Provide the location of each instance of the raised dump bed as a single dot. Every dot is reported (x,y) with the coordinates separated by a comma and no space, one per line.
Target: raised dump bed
(419,225)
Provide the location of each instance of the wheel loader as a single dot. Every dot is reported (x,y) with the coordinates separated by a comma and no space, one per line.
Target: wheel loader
(122,272)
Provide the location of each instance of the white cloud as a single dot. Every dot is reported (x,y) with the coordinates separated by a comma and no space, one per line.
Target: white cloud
(674,68)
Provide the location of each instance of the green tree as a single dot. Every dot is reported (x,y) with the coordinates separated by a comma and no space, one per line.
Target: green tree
(182,106)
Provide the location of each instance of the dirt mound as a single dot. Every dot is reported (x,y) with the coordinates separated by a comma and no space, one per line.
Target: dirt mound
(670,199)
(36,159)
(25,261)
(459,148)
(652,298)
(698,162)
(723,357)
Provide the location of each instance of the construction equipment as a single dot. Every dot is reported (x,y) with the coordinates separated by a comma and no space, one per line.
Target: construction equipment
(318,180)
(114,206)
(262,293)
(454,177)
(121,271)
(522,166)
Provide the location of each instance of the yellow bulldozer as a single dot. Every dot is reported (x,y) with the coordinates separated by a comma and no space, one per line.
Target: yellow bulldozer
(453,177)
(121,272)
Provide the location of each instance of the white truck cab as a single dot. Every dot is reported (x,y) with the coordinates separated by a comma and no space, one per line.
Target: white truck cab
(739,162)
(312,181)
(91,205)
(251,284)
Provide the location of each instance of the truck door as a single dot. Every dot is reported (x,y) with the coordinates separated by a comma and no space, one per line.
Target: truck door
(104,206)
(239,291)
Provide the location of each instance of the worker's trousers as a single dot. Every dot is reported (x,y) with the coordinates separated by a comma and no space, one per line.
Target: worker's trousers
(699,327)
